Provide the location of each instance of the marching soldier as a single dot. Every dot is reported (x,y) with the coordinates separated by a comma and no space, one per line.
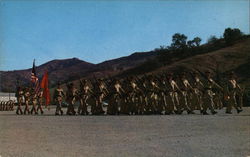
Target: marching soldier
(145,95)
(164,95)
(232,89)
(209,84)
(124,109)
(84,95)
(136,107)
(186,90)
(27,99)
(117,91)
(34,103)
(40,102)
(20,100)
(71,96)
(155,96)
(171,87)
(141,95)
(101,93)
(198,89)
(58,97)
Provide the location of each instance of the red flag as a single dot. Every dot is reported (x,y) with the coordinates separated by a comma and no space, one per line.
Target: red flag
(45,87)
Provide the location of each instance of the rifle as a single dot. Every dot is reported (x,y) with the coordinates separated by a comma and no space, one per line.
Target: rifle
(204,76)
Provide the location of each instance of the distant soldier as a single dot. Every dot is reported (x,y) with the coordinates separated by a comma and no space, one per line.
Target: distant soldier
(209,84)
(84,94)
(186,90)
(198,87)
(34,103)
(141,95)
(71,96)
(134,97)
(3,105)
(11,105)
(101,92)
(232,89)
(172,89)
(7,106)
(154,96)
(27,98)
(20,100)
(117,91)
(58,97)
(40,102)
(160,106)
(125,97)
(145,94)
(164,96)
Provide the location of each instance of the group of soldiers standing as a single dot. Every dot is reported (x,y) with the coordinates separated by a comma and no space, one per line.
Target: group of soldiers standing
(7,105)
(151,94)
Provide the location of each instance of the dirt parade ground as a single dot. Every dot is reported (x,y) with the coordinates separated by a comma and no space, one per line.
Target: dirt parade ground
(220,135)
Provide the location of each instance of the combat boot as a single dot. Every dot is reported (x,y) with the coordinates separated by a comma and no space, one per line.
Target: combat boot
(190,112)
(205,113)
(239,110)
(214,112)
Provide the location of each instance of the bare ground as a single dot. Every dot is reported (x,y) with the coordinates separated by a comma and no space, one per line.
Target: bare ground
(119,136)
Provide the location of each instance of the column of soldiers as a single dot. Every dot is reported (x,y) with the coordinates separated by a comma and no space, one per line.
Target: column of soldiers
(27,97)
(154,94)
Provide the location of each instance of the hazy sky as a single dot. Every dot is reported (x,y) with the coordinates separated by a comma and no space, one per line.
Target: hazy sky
(100,30)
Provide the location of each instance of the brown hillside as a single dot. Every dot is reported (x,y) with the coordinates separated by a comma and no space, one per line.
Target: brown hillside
(234,58)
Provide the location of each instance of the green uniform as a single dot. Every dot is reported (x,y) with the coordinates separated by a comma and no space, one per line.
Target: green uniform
(197,97)
(232,88)
(20,100)
(40,102)
(58,98)
(186,95)
(84,95)
(71,96)
(209,84)
(34,102)
(27,99)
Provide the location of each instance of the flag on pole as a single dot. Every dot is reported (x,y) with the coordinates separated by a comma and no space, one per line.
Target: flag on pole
(34,78)
(45,87)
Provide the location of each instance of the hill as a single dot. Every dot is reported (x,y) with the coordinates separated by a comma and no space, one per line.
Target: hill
(72,69)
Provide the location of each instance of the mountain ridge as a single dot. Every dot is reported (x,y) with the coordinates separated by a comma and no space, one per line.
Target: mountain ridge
(64,70)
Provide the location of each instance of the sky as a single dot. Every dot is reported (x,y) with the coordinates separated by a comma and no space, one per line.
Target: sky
(99,30)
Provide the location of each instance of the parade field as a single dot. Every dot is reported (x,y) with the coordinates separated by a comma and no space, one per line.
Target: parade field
(220,135)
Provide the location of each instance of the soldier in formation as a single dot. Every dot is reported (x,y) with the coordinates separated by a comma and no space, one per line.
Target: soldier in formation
(233,88)
(58,98)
